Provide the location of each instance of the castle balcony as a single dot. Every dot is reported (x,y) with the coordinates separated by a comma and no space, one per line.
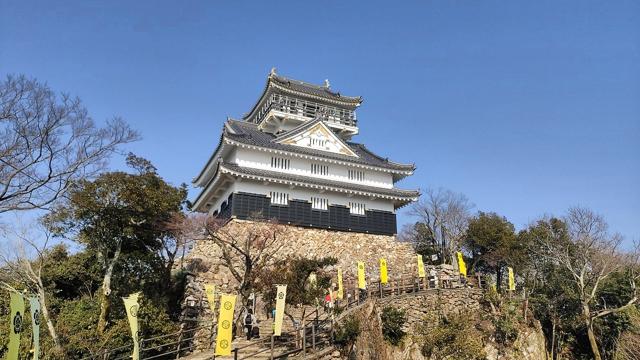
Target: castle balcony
(282,112)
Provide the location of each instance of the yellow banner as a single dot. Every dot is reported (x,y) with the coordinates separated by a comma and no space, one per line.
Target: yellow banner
(383,271)
(16,325)
(461,265)
(281,295)
(225,324)
(340,288)
(420,267)
(362,283)
(34,306)
(210,291)
(132,307)
(512,282)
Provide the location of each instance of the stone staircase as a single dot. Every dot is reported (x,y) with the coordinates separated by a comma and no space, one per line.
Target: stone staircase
(260,348)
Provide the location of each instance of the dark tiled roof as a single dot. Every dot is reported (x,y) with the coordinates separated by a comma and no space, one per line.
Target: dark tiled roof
(312,89)
(393,192)
(248,133)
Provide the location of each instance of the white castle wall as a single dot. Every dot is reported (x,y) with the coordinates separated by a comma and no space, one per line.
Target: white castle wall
(299,166)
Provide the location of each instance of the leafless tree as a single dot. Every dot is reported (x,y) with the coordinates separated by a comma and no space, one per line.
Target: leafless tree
(244,250)
(592,254)
(46,142)
(180,234)
(25,265)
(446,216)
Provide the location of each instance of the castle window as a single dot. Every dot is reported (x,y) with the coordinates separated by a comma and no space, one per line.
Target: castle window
(356,175)
(317,142)
(279,198)
(280,163)
(319,203)
(318,169)
(357,208)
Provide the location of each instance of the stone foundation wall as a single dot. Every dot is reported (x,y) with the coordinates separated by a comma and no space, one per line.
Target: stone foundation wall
(205,264)
(347,247)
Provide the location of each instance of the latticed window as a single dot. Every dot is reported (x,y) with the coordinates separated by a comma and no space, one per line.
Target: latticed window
(318,169)
(317,142)
(280,163)
(357,208)
(279,198)
(356,175)
(319,203)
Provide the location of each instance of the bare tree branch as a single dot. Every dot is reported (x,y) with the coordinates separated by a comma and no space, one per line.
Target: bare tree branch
(446,216)
(48,141)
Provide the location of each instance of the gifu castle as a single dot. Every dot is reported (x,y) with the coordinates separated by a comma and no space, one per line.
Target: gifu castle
(291,158)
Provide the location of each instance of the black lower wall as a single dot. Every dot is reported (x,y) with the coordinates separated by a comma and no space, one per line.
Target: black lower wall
(250,206)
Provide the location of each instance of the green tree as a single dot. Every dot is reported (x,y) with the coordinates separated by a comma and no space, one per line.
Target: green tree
(582,288)
(493,245)
(118,216)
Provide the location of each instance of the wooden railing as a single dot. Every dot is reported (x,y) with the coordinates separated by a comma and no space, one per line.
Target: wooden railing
(308,109)
(316,328)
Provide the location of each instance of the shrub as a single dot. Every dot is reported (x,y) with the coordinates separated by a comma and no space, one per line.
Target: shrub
(507,323)
(392,322)
(454,338)
(347,332)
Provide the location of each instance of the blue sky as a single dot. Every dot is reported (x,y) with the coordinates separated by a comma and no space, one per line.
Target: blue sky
(527,107)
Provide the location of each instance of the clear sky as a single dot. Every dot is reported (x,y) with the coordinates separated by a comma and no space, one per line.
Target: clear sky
(527,107)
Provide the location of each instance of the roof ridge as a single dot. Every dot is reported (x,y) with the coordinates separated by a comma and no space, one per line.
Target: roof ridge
(301,82)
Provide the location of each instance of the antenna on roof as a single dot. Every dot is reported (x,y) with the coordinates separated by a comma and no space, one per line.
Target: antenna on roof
(326,83)
(273,72)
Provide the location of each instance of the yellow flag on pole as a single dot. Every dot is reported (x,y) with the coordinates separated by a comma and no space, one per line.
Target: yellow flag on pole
(420,267)
(132,307)
(281,295)
(512,281)
(383,271)
(16,325)
(362,284)
(225,324)
(210,291)
(340,288)
(34,307)
(461,265)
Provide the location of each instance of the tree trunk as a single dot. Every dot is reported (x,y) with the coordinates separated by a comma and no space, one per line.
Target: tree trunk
(525,306)
(105,302)
(553,339)
(499,278)
(586,312)
(47,317)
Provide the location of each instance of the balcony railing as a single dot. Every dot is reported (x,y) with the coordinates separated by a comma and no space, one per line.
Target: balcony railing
(307,109)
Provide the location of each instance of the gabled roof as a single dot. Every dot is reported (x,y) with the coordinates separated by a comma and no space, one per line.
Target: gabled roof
(248,133)
(400,196)
(319,125)
(236,132)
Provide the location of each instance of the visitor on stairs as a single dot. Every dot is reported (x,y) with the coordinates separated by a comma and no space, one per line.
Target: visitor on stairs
(255,330)
(249,320)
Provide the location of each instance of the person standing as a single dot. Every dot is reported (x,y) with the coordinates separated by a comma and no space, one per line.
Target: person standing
(249,320)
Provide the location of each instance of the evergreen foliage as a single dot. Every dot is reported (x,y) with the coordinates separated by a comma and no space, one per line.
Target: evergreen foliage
(392,322)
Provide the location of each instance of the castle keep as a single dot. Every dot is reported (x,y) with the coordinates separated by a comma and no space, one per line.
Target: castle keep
(291,158)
